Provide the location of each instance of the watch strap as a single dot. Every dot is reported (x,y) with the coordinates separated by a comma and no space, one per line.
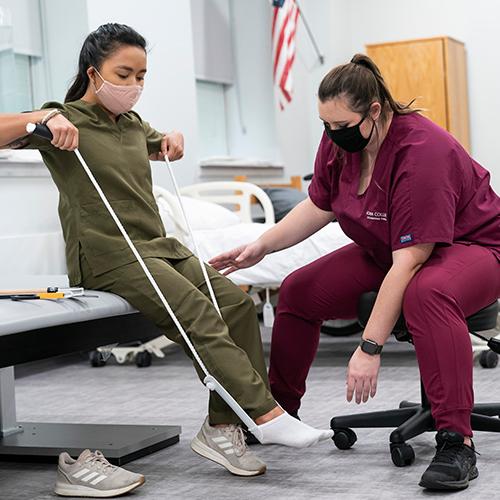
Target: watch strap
(50,115)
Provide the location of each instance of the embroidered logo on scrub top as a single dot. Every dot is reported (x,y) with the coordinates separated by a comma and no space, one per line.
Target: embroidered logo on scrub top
(406,238)
(376,215)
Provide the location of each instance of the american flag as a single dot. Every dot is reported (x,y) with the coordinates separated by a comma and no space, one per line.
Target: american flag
(285,17)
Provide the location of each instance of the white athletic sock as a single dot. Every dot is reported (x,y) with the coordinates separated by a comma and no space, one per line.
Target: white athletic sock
(289,431)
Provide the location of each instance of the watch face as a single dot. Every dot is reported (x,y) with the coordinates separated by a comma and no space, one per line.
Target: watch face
(369,347)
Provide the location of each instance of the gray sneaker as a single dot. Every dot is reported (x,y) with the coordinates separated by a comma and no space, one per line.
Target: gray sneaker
(91,475)
(226,446)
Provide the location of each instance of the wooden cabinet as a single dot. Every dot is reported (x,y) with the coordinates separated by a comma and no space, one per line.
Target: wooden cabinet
(433,71)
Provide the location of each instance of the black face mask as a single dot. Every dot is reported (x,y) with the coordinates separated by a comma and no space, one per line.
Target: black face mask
(350,138)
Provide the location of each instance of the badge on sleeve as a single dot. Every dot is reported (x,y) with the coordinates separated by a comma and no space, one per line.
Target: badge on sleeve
(406,238)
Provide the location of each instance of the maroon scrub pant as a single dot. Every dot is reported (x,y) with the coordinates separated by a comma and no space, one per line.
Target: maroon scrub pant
(456,282)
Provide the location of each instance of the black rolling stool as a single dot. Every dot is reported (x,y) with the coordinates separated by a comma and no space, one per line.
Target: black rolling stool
(413,419)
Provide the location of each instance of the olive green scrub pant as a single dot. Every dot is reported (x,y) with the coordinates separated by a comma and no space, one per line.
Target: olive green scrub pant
(230,347)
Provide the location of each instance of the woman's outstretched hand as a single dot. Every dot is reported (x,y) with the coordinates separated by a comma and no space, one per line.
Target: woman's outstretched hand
(239,258)
(362,375)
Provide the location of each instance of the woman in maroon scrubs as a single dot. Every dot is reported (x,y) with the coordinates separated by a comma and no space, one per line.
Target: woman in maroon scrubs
(426,229)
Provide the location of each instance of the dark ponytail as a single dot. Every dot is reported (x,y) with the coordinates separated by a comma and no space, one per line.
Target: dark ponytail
(362,83)
(98,46)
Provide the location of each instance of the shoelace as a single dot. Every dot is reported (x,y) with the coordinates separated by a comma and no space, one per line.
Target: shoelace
(448,453)
(98,459)
(235,432)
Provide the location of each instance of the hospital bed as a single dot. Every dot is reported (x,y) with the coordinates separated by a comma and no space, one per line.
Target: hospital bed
(221,217)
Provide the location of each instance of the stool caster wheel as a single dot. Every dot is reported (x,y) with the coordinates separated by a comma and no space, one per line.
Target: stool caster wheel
(96,359)
(488,359)
(143,359)
(344,438)
(402,454)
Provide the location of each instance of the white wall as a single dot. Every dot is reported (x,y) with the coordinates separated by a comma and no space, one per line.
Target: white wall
(292,135)
(169,99)
(343,27)
(211,25)
(25,17)
(60,59)
(298,125)
(29,223)
(256,127)
(250,123)
(474,23)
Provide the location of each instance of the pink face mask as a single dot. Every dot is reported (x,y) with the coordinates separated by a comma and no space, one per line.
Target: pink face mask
(117,98)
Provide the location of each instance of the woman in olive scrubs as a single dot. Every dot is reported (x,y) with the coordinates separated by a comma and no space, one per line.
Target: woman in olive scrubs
(117,145)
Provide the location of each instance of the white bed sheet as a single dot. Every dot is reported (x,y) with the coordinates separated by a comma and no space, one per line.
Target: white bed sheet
(222,232)
(274,268)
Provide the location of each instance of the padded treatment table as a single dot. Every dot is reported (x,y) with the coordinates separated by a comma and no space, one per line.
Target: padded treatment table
(32,330)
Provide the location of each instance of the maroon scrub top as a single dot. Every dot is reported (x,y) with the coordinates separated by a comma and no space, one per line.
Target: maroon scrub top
(425,188)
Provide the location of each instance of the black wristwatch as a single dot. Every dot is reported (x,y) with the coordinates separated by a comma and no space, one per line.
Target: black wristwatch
(370,347)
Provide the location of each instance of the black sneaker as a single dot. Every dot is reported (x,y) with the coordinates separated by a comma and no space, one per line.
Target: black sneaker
(453,465)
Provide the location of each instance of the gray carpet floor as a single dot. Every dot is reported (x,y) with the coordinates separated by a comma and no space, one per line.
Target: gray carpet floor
(69,390)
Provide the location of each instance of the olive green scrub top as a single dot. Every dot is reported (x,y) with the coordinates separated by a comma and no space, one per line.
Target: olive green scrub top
(117,154)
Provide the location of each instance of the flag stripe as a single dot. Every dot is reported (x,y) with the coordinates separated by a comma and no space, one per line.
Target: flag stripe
(281,38)
(284,30)
(275,16)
